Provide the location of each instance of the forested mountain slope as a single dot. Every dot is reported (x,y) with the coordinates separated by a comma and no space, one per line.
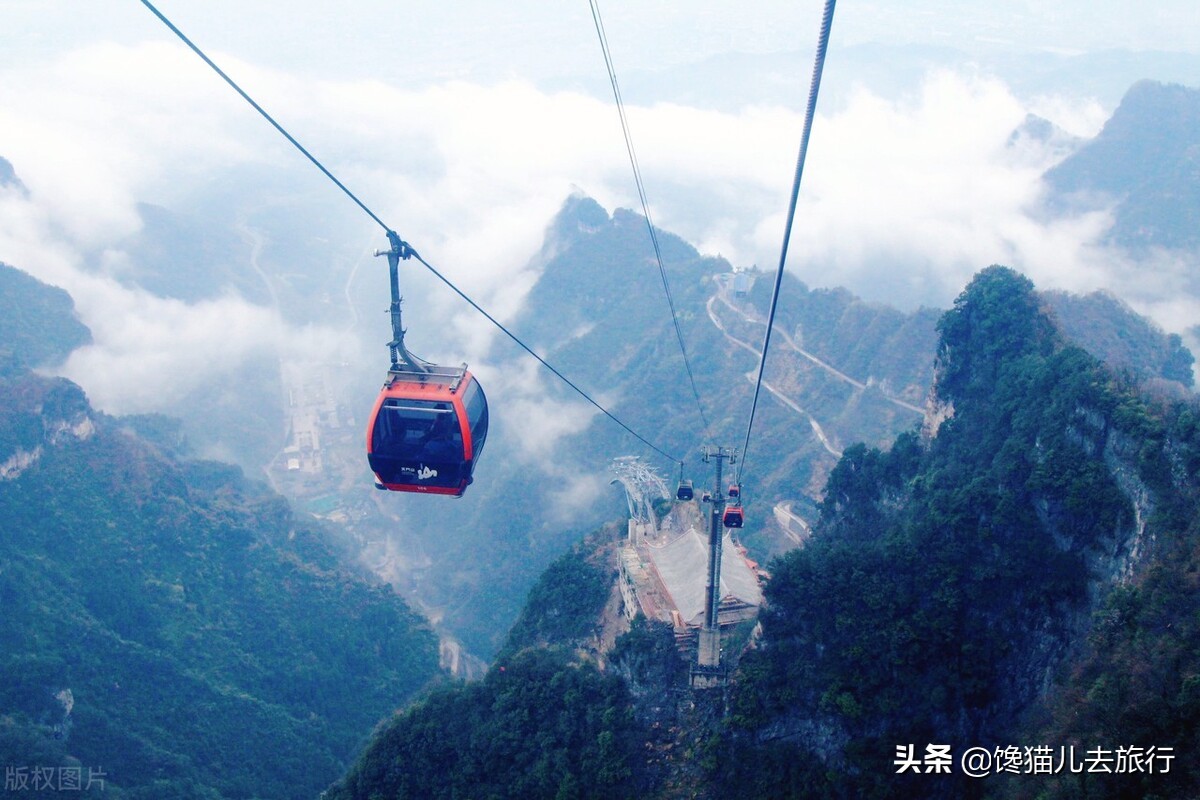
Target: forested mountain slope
(546,722)
(37,322)
(167,622)
(956,578)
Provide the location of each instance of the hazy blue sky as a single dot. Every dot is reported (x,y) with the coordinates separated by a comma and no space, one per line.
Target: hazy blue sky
(434,39)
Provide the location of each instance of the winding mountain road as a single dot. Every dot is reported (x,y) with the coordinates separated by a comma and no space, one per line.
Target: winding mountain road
(787,518)
(723,295)
(818,431)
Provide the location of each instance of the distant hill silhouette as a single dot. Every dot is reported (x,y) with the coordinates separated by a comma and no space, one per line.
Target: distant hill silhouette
(38,324)
(1146,160)
(8,176)
(1113,332)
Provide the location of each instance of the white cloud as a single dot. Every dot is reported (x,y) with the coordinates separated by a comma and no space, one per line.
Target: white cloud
(107,127)
(922,184)
(521,388)
(150,353)
(904,200)
(577,493)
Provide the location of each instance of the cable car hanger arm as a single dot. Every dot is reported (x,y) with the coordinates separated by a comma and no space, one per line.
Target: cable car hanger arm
(399,250)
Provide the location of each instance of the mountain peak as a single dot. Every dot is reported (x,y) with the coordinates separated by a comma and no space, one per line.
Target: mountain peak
(582,210)
(8,176)
(1146,162)
(997,319)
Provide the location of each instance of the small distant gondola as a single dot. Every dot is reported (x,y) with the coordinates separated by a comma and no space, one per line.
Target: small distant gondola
(427,430)
(685,491)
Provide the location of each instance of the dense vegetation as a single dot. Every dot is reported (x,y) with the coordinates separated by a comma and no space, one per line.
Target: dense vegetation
(37,322)
(541,726)
(563,606)
(1138,682)
(544,723)
(950,577)
(173,623)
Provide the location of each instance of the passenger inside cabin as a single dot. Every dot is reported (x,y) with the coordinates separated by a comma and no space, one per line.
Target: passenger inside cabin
(444,440)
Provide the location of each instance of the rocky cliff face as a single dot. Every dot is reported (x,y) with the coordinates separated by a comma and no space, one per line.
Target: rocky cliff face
(39,414)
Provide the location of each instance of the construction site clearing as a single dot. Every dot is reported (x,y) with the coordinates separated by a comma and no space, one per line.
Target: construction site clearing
(664,563)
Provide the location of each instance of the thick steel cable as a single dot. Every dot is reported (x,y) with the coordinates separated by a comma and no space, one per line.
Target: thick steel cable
(543,361)
(641,190)
(809,113)
(195,49)
(260,110)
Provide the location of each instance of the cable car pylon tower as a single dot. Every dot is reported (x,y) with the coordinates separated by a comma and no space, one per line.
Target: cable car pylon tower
(708,670)
(642,487)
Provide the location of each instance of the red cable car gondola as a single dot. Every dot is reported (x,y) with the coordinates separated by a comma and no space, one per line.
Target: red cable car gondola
(733,516)
(427,430)
(429,423)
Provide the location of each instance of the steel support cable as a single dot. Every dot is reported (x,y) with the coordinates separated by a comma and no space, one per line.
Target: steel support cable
(543,361)
(260,110)
(641,190)
(195,49)
(809,113)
